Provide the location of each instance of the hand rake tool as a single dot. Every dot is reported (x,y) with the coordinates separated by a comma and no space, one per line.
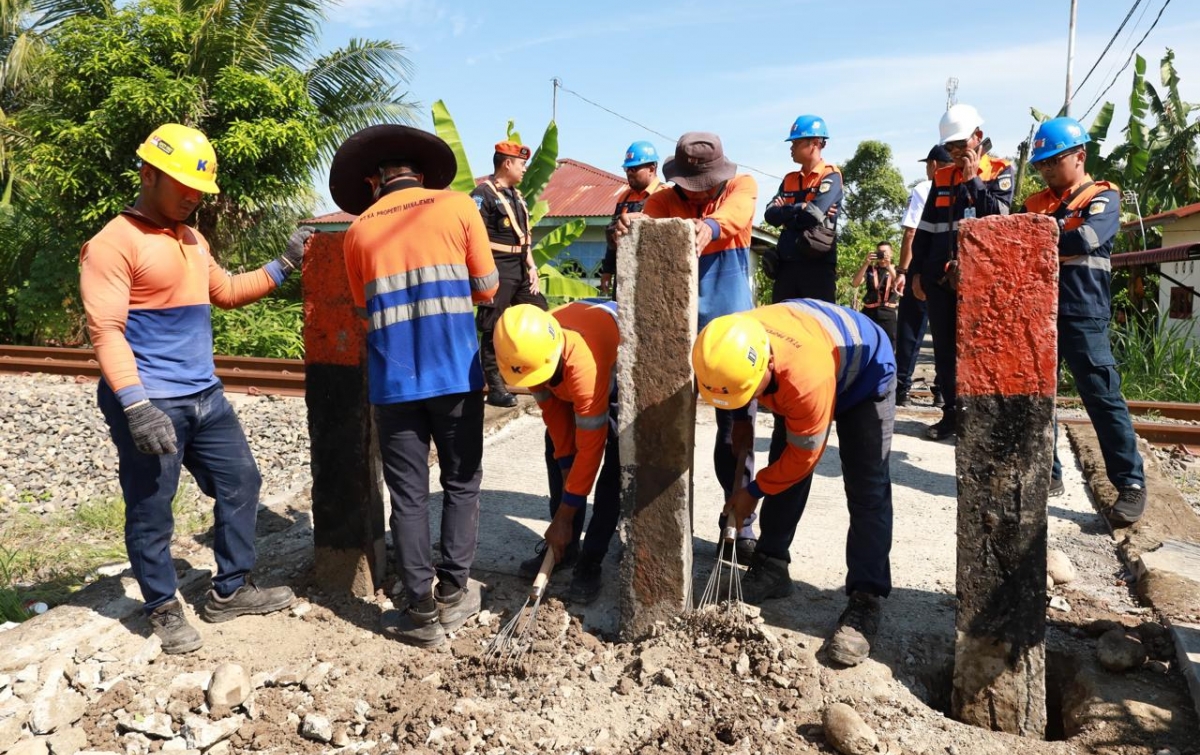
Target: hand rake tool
(513,640)
(724,586)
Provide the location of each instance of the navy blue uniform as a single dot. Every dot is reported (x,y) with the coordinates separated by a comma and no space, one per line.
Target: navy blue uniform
(809,200)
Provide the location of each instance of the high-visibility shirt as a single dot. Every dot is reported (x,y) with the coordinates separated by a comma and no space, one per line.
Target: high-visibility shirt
(575,409)
(1090,224)
(725,261)
(631,201)
(828,359)
(950,200)
(809,199)
(418,260)
(147,292)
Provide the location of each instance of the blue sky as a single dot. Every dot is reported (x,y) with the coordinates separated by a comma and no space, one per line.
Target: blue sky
(874,69)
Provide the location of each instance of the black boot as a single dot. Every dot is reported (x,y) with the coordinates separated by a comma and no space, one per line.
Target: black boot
(498,394)
(419,624)
(586,580)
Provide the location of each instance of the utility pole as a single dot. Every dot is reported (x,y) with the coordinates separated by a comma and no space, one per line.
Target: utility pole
(557,82)
(951,91)
(1070,57)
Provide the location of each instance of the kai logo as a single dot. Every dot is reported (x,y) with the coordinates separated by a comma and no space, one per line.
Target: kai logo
(517,369)
(752,355)
(202,166)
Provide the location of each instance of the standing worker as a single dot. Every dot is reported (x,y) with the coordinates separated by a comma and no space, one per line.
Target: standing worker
(417,260)
(568,359)
(506,217)
(806,208)
(148,282)
(975,186)
(1088,214)
(641,171)
(720,203)
(910,320)
(881,299)
(812,363)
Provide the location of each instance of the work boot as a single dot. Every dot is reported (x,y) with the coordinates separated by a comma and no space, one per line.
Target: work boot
(1056,487)
(585,581)
(744,546)
(249,599)
(172,627)
(936,392)
(943,429)
(857,626)
(457,604)
(902,398)
(418,625)
(530,567)
(1130,505)
(767,578)
(498,395)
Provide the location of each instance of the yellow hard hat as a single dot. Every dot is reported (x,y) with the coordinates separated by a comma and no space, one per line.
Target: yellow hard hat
(730,358)
(184,154)
(529,343)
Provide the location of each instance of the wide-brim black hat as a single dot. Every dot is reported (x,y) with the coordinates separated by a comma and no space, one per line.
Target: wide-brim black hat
(360,156)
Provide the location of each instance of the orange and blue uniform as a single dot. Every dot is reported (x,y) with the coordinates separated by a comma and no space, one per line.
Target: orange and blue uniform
(830,364)
(148,291)
(809,199)
(418,260)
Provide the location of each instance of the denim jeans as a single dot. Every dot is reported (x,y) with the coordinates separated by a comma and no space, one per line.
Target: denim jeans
(455,425)
(865,445)
(606,501)
(213,447)
(1083,344)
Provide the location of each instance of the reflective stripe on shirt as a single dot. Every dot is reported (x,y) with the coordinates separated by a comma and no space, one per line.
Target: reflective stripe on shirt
(442,305)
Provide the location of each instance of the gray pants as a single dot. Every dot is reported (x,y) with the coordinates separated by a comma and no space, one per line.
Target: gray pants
(455,425)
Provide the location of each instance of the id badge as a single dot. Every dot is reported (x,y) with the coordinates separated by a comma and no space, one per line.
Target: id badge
(968,213)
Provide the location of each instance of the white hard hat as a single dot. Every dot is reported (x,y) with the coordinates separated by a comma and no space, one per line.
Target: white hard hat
(959,122)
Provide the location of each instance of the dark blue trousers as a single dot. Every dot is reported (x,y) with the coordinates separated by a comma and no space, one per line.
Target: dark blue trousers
(1083,344)
(942,306)
(213,447)
(725,464)
(910,332)
(606,500)
(865,445)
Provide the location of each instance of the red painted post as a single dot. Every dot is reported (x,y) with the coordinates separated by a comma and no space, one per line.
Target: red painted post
(347,493)
(1007,365)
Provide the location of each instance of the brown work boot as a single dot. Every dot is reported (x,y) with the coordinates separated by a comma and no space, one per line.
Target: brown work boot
(249,599)
(857,626)
(172,627)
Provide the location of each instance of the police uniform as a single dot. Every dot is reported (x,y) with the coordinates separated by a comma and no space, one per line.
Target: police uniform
(506,218)
(809,200)
(881,301)
(935,245)
(1089,216)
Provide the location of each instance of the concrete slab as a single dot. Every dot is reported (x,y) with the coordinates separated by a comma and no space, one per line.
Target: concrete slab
(1176,557)
(1187,650)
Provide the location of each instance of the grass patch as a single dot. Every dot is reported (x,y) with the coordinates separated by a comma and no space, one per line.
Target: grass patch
(1155,359)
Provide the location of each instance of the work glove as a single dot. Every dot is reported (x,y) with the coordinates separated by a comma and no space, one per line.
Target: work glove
(152,430)
(293,254)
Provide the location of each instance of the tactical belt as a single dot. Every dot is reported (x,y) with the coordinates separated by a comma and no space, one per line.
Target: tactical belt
(506,248)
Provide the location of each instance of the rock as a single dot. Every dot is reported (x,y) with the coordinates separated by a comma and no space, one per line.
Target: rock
(742,666)
(315,677)
(341,737)
(847,732)
(1100,627)
(53,713)
(1059,603)
(438,735)
(29,747)
(654,659)
(1118,652)
(316,728)
(68,741)
(433,680)
(10,729)
(287,678)
(1059,567)
(201,734)
(229,686)
(625,686)
(484,618)
(150,650)
(1049,583)
(157,725)
(87,676)
(667,678)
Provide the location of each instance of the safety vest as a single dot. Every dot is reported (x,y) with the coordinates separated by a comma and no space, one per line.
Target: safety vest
(634,201)
(799,187)
(519,228)
(1072,212)
(874,285)
(936,240)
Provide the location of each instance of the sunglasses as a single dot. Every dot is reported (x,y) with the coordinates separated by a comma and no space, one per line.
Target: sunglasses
(1051,162)
(958,145)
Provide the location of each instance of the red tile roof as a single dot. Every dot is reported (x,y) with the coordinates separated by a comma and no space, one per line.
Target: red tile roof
(576,190)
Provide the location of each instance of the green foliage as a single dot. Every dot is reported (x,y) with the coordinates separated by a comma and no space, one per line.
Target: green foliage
(443,126)
(1155,358)
(541,166)
(263,329)
(874,186)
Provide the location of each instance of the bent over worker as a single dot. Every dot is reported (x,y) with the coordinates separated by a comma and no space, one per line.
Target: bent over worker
(506,218)
(720,203)
(417,259)
(975,186)
(568,359)
(641,171)
(149,281)
(1088,214)
(806,208)
(812,363)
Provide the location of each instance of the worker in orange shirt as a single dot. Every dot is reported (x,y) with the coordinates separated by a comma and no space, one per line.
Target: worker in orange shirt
(417,260)
(641,171)
(720,203)
(567,358)
(812,363)
(149,281)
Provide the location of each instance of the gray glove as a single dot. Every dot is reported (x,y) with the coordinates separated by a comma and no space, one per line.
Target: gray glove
(293,255)
(152,430)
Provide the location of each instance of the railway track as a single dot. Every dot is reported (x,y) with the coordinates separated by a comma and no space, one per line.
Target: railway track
(285,377)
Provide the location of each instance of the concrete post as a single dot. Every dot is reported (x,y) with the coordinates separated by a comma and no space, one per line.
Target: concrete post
(347,493)
(657,290)
(1007,359)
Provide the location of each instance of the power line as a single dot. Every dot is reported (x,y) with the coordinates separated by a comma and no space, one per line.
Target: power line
(1130,59)
(559,85)
(1107,47)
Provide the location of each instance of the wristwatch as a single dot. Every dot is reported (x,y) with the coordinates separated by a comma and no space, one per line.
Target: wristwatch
(902,271)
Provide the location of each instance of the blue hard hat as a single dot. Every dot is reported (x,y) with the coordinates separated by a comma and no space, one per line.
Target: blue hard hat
(640,153)
(1057,135)
(808,126)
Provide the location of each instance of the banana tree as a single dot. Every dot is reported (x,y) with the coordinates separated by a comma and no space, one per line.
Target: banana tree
(541,166)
